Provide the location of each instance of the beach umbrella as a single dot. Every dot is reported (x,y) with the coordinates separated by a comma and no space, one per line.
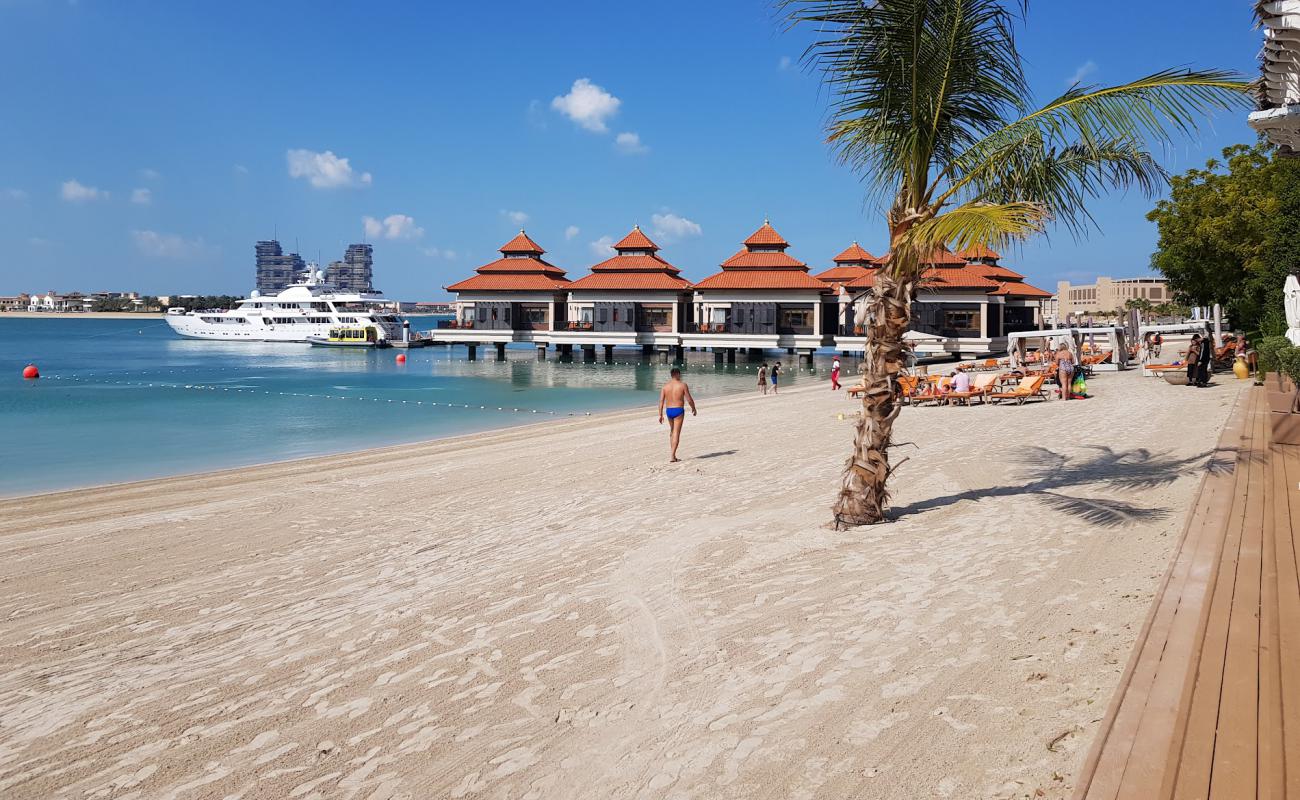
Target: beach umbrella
(1291,291)
(1218,325)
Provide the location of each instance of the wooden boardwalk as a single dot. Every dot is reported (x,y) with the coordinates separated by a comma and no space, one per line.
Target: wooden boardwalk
(1209,705)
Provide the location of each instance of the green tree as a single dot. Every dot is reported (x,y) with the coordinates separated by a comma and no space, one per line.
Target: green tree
(929,104)
(1228,234)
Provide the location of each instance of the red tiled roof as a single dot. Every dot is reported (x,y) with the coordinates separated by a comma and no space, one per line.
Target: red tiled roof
(1018,289)
(522,244)
(956,278)
(843,274)
(978,252)
(637,263)
(998,273)
(630,281)
(522,265)
(939,257)
(761,279)
(509,282)
(854,254)
(866,281)
(766,236)
(636,240)
(747,260)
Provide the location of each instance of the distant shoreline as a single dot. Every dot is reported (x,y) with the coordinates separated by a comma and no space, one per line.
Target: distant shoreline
(81,314)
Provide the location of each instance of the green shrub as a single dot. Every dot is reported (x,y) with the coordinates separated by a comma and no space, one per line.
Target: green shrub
(1288,360)
(1268,349)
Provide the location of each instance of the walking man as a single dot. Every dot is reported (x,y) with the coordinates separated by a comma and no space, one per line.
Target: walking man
(672,404)
(835,374)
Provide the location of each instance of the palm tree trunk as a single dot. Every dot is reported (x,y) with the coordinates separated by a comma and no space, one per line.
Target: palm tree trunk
(864,493)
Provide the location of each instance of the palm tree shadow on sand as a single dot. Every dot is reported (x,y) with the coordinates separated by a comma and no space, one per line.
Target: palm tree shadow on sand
(1047,477)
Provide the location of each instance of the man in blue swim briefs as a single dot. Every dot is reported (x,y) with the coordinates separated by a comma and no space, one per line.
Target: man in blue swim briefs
(672,404)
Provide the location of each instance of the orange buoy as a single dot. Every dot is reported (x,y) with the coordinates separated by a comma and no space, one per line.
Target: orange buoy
(31,373)
(401,358)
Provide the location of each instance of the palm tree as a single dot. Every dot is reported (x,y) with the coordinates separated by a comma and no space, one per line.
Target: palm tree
(1142,305)
(929,103)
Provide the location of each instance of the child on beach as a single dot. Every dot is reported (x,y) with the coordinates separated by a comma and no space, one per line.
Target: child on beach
(776,375)
(762,378)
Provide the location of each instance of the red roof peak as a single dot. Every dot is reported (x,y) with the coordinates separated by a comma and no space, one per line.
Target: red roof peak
(979,253)
(854,254)
(522,244)
(766,236)
(636,240)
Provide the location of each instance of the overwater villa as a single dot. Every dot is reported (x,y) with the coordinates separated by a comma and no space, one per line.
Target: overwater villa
(762,298)
(513,299)
(634,297)
(966,302)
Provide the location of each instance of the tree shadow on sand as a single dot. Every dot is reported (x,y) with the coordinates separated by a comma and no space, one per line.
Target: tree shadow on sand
(1047,477)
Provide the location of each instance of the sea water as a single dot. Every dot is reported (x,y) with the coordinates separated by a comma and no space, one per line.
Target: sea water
(126,399)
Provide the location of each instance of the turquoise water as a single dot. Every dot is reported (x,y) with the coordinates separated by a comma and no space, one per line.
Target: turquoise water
(124,400)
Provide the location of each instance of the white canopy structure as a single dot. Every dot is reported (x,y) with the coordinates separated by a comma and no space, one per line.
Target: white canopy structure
(1279,114)
(1291,298)
(1113,336)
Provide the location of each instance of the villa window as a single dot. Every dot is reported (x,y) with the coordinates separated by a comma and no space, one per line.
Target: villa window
(796,317)
(536,314)
(655,318)
(961,320)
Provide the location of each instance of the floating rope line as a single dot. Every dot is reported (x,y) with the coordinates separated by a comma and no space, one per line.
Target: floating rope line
(237,390)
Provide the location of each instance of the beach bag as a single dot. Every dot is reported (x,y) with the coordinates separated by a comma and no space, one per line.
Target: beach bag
(1080,387)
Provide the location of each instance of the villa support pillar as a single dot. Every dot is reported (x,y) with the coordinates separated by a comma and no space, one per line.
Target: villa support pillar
(471,351)
(541,352)
(679,354)
(664,354)
(501,351)
(789,351)
(588,353)
(808,356)
(717,355)
(609,354)
(731,355)
(647,350)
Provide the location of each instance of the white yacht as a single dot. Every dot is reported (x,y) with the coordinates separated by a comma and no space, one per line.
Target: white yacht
(308,309)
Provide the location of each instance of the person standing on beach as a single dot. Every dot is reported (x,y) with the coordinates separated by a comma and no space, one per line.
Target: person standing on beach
(1206,362)
(1193,359)
(762,378)
(776,375)
(672,403)
(835,374)
(1065,369)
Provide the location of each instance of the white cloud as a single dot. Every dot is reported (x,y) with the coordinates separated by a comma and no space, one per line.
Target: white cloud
(630,143)
(517,217)
(240,169)
(150,174)
(785,63)
(588,105)
(167,245)
(324,170)
(571,232)
(142,197)
(669,227)
(39,241)
(393,226)
(13,194)
(76,192)
(1085,69)
(435,252)
(603,247)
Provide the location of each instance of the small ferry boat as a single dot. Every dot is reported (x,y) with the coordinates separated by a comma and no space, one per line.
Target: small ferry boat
(309,309)
(349,337)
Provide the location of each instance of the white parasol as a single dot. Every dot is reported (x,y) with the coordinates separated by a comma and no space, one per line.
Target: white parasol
(1291,293)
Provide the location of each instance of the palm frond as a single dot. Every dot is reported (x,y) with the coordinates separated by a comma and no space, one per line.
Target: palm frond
(991,224)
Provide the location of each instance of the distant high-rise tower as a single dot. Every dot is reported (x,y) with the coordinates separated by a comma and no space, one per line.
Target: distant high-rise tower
(275,268)
(354,273)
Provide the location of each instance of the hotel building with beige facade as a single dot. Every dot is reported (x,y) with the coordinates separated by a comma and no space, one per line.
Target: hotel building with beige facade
(1108,294)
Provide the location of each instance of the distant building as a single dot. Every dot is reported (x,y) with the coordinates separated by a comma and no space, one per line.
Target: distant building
(1108,295)
(18,302)
(355,272)
(275,268)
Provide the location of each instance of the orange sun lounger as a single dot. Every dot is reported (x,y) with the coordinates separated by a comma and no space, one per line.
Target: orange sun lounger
(980,387)
(1029,388)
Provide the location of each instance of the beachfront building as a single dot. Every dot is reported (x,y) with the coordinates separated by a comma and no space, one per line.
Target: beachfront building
(763,298)
(854,264)
(517,298)
(634,297)
(966,304)
(1108,295)
(17,302)
(53,303)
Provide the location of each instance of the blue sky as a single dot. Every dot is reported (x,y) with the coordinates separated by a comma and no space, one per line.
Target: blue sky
(148,145)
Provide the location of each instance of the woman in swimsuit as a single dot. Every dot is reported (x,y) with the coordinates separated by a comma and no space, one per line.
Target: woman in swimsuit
(1065,369)
(762,378)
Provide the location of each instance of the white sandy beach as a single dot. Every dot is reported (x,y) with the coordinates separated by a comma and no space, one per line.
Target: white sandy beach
(553,612)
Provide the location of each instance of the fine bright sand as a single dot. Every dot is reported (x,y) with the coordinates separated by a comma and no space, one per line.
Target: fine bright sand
(554,612)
